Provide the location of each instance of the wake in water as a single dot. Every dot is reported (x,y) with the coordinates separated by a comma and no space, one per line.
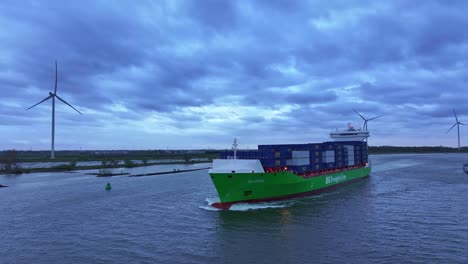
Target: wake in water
(258,206)
(246,206)
(209,202)
(394,165)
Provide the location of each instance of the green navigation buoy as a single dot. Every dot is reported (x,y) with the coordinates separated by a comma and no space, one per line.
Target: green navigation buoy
(108,187)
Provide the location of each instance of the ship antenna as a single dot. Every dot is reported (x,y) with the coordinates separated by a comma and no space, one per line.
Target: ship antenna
(234,147)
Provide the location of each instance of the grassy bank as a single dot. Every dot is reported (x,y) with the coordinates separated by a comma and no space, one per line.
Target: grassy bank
(414,150)
(110,159)
(11,161)
(101,155)
(65,167)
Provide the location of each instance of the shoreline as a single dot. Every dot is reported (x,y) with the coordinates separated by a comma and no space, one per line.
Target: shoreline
(93,167)
(167,172)
(71,168)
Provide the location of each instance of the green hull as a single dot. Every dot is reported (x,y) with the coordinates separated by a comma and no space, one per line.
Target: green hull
(249,187)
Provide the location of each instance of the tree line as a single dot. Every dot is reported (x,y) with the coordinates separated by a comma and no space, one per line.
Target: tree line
(395,149)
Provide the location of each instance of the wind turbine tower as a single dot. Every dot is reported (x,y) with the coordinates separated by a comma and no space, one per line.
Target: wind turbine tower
(364,127)
(53,96)
(457,123)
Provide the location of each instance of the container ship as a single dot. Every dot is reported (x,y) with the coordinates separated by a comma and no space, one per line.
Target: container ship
(276,172)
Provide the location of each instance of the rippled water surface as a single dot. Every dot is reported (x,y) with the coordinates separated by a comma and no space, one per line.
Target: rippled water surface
(413,209)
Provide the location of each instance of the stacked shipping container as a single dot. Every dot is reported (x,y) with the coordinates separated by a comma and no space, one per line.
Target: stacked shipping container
(306,157)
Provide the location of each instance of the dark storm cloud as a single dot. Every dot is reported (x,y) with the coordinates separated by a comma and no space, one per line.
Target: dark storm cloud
(254,119)
(86,41)
(310,95)
(390,35)
(310,98)
(214,14)
(401,58)
(96,39)
(170,101)
(392,93)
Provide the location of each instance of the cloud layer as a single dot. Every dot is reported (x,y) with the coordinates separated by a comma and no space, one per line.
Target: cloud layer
(194,74)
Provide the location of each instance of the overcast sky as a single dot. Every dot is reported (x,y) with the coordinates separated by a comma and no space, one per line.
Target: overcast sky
(196,74)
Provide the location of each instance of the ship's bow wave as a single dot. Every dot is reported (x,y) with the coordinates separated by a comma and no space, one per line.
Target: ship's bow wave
(213,204)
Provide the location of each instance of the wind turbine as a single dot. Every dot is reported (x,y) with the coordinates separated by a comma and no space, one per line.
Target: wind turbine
(53,96)
(458,123)
(364,127)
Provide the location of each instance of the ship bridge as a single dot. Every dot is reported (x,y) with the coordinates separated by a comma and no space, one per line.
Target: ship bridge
(349,134)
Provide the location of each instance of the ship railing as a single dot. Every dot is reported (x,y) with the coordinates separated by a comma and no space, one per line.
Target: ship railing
(316,173)
(328,171)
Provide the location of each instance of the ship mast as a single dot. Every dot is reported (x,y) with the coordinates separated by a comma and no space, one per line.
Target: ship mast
(234,147)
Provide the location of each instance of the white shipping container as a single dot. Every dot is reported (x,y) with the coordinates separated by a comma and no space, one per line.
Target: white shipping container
(298,162)
(301,154)
(350,148)
(328,159)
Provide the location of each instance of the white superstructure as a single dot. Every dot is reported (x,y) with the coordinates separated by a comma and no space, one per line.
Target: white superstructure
(350,134)
(236,166)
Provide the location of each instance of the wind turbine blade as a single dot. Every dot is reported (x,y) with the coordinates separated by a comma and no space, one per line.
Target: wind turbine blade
(374,118)
(45,99)
(359,114)
(456,118)
(462,124)
(68,104)
(55,90)
(451,127)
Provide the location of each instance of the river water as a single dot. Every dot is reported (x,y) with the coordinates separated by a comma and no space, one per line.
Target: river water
(413,209)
